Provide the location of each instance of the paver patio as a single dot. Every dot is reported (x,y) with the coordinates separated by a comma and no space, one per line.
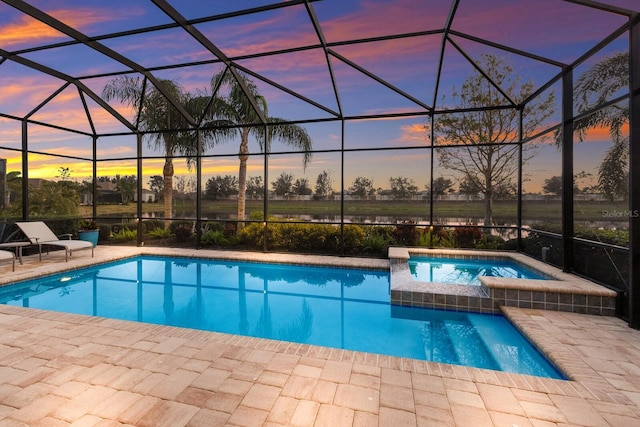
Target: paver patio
(61,369)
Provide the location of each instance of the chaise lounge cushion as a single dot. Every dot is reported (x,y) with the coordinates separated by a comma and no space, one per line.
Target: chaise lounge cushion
(40,234)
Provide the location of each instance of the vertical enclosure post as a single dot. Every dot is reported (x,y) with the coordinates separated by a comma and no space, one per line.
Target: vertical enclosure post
(567,170)
(25,171)
(139,189)
(634,173)
(199,153)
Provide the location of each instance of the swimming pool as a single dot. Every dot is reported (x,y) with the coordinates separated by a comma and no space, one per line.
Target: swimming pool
(332,307)
(467,271)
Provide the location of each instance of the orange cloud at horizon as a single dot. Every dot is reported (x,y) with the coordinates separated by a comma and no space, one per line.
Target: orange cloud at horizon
(413,134)
(27,28)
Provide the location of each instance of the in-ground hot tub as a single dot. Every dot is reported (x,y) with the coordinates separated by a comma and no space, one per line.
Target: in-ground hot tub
(554,290)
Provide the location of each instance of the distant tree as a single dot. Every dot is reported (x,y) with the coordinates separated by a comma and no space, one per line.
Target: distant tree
(301,187)
(52,199)
(220,187)
(469,187)
(14,186)
(283,185)
(156,184)
(324,185)
(402,187)
(126,186)
(494,163)
(553,185)
(362,187)
(595,87)
(581,178)
(441,186)
(505,190)
(255,186)
(185,185)
(64,173)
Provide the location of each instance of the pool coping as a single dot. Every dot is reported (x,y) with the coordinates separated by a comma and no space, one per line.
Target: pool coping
(563,292)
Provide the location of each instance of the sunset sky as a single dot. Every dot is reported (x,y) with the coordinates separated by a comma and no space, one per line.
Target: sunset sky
(554,29)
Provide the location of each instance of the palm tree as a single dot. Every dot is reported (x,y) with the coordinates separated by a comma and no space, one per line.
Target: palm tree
(595,87)
(237,116)
(166,127)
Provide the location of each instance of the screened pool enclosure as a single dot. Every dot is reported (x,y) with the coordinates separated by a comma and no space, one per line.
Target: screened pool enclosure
(331,126)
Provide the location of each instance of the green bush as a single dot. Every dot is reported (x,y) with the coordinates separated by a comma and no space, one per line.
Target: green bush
(427,238)
(183,230)
(159,233)
(353,239)
(467,237)
(406,233)
(489,241)
(152,224)
(124,234)
(376,240)
(252,235)
(214,238)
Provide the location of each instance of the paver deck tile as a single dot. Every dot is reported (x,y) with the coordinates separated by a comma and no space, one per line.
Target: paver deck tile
(396,418)
(233,386)
(364,419)
(430,400)
(208,418)
(578,411)
(339,372)
(508,419)
(167,414)
(174,384)
(325,391)
(38,408)
(428,416)
(397,397)
(282,410)
(330,416)
(305,413)
(223,402)
(115,404)
(149,383)
(357,398)
(261,396)
(247,417)
(19,397)
(499,399)
(465,398)
(83,403)
(299,387)
(464,415)
(211,379)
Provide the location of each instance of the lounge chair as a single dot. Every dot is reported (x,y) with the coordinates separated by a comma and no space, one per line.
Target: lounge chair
(6,255)
(40,234)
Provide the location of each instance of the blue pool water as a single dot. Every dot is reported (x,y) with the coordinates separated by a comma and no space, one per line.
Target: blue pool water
(466,271)
(333,307)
